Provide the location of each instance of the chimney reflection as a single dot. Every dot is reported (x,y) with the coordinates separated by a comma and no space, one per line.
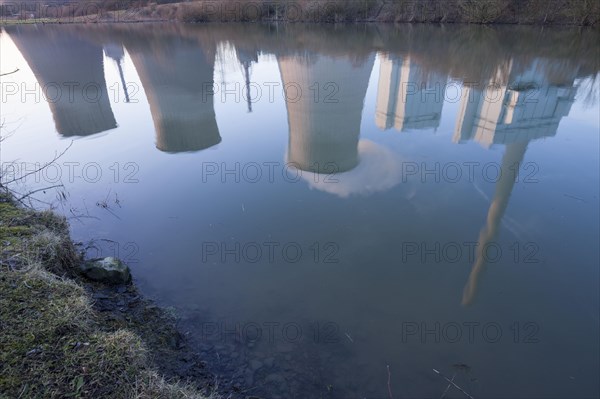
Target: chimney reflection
(513,155)
(246,59)
(407,97)
(325,97)
(117,54)
(70,72)
(177,76)
(529,107)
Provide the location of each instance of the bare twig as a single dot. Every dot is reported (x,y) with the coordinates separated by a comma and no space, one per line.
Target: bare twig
(389,382)
(21,201)
(104,205)
(7,133)
(453,384)
(9,73)
(37,191)
(448,387)
(56,157)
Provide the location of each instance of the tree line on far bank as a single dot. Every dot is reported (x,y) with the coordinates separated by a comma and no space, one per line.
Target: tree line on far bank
(542,12)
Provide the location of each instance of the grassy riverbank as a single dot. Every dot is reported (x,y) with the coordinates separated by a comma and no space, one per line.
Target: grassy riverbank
(537,12)
(54,343)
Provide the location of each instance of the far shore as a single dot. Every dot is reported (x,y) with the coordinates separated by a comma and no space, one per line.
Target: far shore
(481,12)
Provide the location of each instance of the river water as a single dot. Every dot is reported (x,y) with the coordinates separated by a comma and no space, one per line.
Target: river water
(333,212)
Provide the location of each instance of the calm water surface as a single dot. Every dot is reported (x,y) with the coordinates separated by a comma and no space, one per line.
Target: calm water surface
(418,198)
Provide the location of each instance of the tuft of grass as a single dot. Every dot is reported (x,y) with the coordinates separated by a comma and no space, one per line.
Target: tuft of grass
(31,239)
(52,343)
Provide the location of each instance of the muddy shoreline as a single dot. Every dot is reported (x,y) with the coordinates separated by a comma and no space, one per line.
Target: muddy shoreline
(123,306)
(174,354)
(234,367)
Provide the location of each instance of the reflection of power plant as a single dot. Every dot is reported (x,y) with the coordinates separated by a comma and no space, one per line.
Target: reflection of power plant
(325,97)
(408,98)
(527,108)
(70,72)
(116,53)
(246,59)
(177,77)
(514,154)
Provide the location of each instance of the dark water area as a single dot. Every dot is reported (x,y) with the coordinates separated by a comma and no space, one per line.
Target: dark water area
(333,212)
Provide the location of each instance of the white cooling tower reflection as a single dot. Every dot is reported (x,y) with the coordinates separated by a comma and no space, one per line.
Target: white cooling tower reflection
(324,113)
(177,77)
(70,74)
